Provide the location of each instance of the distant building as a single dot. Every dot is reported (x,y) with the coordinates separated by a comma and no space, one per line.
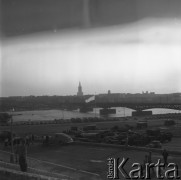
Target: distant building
(79,93)
(152,93)
(109,92)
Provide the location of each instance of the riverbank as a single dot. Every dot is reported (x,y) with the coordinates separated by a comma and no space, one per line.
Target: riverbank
(59,125)
(87,119)
(58,114)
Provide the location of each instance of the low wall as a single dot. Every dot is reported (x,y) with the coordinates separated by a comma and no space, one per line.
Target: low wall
(9,174)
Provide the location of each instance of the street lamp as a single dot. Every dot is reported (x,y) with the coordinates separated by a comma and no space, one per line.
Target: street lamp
(12,149)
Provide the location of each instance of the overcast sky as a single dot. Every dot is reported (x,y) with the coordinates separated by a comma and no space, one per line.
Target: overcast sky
(139,55)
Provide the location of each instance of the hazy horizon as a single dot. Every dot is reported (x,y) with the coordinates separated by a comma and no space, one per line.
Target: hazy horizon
(130,57)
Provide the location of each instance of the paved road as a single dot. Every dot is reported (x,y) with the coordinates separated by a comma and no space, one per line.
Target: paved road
(88,162)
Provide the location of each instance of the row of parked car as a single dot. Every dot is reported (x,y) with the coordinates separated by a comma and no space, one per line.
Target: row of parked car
(152,138)
(57,138)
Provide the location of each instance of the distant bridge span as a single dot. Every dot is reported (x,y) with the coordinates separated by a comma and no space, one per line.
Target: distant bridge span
(134,106)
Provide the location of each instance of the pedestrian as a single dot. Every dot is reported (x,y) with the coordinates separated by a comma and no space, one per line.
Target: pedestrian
(27,140)
(150,157)
(32,138)
(22,153)
(127,140)
(16,147)
(150,161)
(145,160)
(6,141)
(47,140)
(165,156)
(44,140)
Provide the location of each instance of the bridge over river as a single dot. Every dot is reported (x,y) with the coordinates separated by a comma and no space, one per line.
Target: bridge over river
(137,103)
(135,106)
(108,107)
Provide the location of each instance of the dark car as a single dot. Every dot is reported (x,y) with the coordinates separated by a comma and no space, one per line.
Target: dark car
(17,140)
(5,135)
(155,144)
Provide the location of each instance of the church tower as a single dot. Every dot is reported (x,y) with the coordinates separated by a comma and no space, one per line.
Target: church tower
(79,93)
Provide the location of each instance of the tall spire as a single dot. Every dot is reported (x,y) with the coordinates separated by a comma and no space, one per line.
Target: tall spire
(79,93)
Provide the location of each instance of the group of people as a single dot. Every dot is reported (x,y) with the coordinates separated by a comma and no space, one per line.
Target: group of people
(20,151)
(148,159)
(29,139)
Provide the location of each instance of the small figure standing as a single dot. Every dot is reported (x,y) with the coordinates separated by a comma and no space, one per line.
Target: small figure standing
(150,161)
(16,153)
(47,140)
(6,141)
(145,160)
(165,156)
(127,139)
(27,140)
(22,152)
(44,140)
(32,138)
(150,157)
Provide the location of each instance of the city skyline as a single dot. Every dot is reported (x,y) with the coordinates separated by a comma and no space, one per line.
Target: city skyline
(134,56)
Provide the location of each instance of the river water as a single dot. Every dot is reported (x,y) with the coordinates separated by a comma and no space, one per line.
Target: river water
(63,114)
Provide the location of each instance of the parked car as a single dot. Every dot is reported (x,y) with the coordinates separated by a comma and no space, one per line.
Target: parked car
(61,138)
(169,122)
(17,140)
(155,144)
(5,135)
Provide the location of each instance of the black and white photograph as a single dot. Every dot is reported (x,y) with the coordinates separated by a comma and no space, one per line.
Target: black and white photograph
(90,89)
